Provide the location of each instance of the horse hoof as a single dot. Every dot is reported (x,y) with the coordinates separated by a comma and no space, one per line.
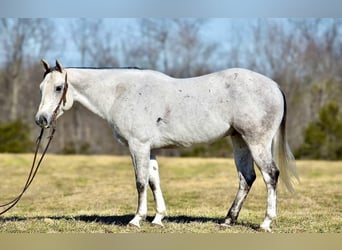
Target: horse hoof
(134,223)
(158,223)
(265,229)
(158,219)
(228,222)
(225,225)
(266,225)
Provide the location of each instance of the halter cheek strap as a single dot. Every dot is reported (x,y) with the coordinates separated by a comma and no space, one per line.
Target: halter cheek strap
(65,89)
(62,100)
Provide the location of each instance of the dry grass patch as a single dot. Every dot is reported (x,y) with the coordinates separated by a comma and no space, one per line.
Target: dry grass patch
(97,194)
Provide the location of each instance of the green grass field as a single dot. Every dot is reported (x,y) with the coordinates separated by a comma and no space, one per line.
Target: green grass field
(97,194)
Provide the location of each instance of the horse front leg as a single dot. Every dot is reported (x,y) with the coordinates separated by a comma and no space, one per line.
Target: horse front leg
(154,183)
(140,154)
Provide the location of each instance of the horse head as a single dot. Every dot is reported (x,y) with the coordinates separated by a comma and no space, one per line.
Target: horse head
(55,95)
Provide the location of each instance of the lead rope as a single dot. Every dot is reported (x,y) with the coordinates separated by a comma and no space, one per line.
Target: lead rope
(33,171)
(34,167)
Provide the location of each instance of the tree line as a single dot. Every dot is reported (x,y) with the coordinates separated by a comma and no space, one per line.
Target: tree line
(302,55)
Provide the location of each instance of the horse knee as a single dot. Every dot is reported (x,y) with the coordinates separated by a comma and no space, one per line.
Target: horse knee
(153,179)
(141,185)
(152,185)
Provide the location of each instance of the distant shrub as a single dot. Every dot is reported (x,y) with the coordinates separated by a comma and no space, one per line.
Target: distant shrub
(323,138)
(15,137)
(71,148)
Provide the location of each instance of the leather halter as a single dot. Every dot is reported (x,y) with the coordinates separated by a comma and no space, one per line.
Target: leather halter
(62,100)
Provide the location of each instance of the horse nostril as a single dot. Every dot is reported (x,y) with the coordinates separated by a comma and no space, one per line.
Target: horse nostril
(42,121)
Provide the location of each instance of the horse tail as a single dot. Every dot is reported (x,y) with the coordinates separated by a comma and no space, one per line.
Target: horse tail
(282,154)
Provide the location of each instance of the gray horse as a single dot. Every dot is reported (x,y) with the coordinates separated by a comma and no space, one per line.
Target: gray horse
(149,110)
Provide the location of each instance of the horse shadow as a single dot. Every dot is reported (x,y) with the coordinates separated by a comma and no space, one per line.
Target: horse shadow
(123,220)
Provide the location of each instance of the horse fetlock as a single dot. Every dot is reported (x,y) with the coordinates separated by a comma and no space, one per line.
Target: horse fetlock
(271,215)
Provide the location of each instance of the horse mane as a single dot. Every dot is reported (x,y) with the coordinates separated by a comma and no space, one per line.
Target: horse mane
(129,67)
(55,68)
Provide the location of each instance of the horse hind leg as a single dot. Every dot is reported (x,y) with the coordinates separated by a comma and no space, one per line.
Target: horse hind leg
(244,163)
(154,183)
(262,156)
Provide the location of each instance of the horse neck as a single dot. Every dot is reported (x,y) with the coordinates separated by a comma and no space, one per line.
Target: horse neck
(91,88)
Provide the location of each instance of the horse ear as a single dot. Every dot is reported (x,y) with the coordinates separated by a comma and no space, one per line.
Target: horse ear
(59,66)
(45,65)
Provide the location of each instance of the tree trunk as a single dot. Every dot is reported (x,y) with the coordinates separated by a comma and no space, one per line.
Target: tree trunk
(14,100)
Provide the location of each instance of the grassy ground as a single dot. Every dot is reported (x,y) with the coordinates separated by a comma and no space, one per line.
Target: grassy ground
(97,194)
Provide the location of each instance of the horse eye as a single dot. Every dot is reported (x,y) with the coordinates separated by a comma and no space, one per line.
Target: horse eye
(59,88)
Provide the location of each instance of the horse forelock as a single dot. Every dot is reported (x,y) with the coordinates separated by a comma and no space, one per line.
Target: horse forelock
(51,69)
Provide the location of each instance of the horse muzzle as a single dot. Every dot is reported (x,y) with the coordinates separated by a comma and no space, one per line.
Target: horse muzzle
(42,121)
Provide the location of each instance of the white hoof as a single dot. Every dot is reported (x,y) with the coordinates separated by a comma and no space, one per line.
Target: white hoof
(158,223)
(225,225)
(266,226)
(135,221)
(134,224)
(265,229)
(158,220)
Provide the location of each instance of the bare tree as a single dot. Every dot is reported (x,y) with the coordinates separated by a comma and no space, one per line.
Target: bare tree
(192,54)
(174,46)
(149,46)
(21,40)
(96,45)
(302,56)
